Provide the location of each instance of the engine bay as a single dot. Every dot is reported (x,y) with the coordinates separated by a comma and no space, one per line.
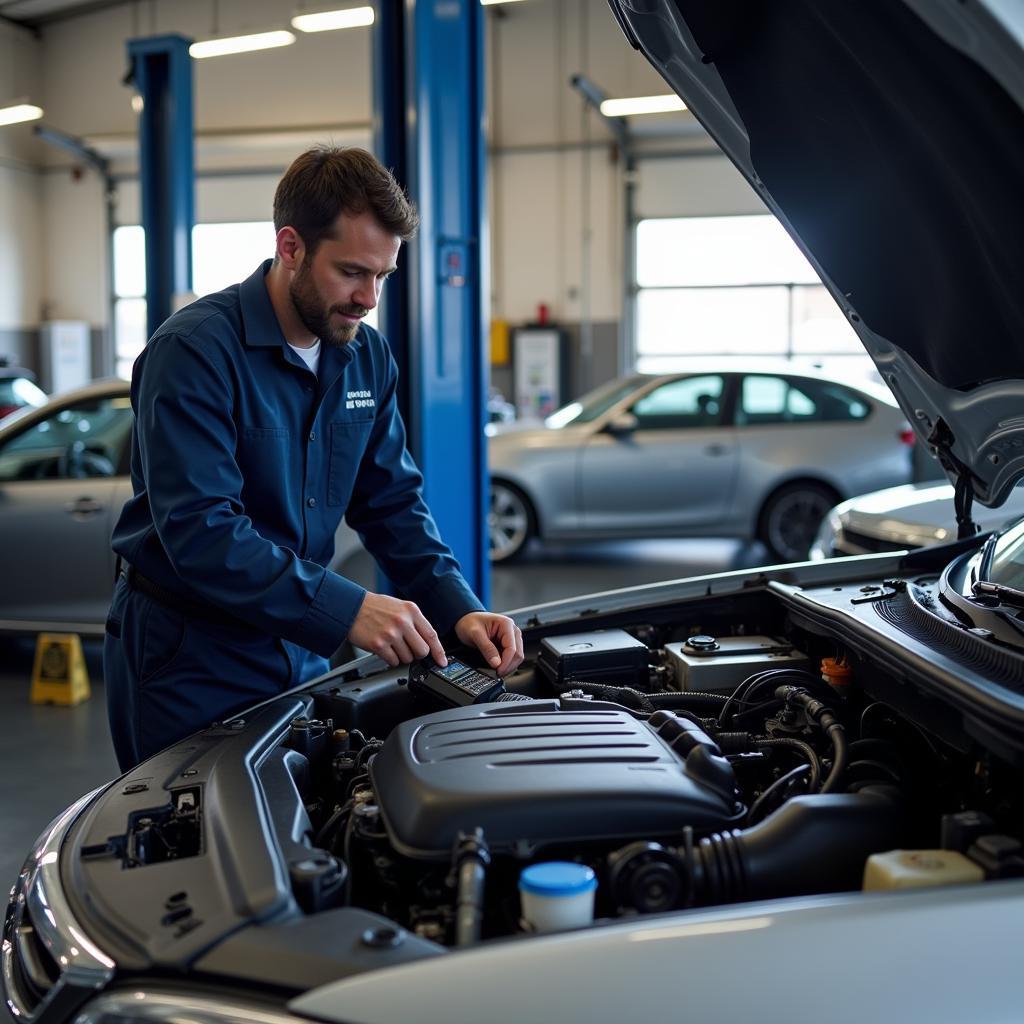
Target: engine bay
(740,752)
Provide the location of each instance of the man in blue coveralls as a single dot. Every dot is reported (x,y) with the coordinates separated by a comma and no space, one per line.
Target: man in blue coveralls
(263,413)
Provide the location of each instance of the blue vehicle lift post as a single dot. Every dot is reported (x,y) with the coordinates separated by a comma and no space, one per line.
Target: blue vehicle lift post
(429,96)
(161,70)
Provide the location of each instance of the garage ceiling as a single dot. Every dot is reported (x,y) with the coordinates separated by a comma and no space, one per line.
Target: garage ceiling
(33,13)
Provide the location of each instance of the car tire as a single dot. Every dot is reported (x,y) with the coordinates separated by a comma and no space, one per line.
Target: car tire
(791,516)
(511,521)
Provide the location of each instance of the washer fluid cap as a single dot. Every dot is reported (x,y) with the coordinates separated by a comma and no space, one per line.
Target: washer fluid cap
(557,878)
(702,642)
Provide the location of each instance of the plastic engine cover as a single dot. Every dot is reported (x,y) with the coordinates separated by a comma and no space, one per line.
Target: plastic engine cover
(535,774)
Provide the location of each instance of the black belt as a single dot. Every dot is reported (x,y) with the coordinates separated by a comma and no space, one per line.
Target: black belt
(178,602)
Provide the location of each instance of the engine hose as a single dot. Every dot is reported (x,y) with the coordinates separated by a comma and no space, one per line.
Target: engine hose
(471,858)
(812,844)
(670,700)
(840,756)
(778,786)
(822,717)
(794,744)
(624,695)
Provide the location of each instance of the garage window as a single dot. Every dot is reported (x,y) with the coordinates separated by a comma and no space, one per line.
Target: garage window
(222,255)
(732,288)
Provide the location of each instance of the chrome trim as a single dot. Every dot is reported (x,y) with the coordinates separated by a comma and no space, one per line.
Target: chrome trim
(39,893)
(141,1007)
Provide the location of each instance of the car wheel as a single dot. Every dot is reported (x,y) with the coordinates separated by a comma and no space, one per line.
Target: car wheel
(509,522)
(791,517)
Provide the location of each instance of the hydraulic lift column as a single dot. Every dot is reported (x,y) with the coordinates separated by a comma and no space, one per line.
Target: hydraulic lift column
(161,70)
(429,97)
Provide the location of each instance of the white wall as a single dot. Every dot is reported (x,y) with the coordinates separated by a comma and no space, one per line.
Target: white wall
(20,187)
(76,284)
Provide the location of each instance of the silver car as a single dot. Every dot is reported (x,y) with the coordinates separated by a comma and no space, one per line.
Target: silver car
(760,455)
(898,518)
(63,480)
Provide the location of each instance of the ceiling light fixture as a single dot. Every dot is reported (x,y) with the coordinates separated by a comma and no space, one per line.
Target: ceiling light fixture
(641,105)
(327,21)
(18,113)
(491,3)
(241,44)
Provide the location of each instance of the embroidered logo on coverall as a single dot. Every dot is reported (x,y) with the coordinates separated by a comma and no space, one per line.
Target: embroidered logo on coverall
(359,400)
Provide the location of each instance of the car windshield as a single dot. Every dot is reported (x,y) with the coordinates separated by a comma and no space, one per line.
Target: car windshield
(593,404)
(1005,566)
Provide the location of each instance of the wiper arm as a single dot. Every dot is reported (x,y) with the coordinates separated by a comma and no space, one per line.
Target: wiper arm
(1006,595)
(988,550)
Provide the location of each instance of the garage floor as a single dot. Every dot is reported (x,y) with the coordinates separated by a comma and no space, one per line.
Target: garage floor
(50,755)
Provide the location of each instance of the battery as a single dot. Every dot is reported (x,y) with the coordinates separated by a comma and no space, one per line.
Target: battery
(707,664)
(608,656)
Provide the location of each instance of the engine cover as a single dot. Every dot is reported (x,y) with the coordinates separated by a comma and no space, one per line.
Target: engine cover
(532,774)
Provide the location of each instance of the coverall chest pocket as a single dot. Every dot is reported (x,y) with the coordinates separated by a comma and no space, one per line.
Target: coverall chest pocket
(348,443)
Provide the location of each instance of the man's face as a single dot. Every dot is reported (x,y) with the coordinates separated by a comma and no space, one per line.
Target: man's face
(340,283)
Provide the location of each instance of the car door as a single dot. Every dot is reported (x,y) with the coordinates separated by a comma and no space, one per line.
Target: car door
(673,471)
(63,479)
(803,428)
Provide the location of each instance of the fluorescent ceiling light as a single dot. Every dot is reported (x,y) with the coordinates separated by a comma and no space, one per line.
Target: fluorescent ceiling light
(326,21)
(19,113)
(240,44)
(490,3)
(641,105)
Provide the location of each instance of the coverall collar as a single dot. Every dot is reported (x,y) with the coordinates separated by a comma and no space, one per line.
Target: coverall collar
(260,321)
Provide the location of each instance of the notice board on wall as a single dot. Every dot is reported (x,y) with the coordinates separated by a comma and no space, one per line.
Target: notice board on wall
(540,370)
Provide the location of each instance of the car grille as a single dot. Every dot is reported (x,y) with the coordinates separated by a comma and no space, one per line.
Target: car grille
(34,971)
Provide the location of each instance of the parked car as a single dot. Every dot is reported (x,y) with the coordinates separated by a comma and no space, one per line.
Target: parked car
(793,794)
(759,455)
(901,518)
(63,481)
(18,389)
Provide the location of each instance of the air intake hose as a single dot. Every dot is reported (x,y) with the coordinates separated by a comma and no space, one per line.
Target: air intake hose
(813,844)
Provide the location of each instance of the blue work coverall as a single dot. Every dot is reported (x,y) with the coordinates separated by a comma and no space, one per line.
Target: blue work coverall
(243,462)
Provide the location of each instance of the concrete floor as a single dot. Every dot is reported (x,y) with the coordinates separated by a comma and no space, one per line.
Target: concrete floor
(51,755)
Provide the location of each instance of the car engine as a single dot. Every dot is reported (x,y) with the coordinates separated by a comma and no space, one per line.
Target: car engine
(682,768)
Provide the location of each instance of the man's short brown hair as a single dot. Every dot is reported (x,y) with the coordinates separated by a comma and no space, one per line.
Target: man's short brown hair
(329,180)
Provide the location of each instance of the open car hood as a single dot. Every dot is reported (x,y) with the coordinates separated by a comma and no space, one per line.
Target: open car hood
(888,138)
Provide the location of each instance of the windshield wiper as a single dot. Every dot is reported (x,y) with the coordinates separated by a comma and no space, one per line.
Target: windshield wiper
(988,550)
(1006,595)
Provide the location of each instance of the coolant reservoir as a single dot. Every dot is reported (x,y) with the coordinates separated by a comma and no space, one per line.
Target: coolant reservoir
(708,664)
(908,869)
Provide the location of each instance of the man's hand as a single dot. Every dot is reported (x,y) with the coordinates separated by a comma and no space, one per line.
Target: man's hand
(496,637)
(395,631)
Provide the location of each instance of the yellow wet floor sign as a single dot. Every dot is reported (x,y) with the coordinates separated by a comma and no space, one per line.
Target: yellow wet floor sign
(58,674)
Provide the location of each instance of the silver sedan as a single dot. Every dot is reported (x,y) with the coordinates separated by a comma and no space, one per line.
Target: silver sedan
(63,480)
(760,455)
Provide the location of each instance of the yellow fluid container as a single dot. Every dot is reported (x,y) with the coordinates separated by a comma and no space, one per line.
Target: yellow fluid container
(908,869)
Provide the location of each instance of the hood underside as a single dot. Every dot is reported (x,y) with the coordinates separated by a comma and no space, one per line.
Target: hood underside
(888,137)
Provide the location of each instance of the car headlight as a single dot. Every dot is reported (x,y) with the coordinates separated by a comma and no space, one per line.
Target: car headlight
(47,962)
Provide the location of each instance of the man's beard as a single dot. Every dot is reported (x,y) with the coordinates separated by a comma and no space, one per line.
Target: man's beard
(315,316)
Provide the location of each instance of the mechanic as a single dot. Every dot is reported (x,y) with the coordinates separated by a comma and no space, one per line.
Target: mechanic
(263,413)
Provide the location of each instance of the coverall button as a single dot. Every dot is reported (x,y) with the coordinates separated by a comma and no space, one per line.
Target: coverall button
(311,502)
(312,435)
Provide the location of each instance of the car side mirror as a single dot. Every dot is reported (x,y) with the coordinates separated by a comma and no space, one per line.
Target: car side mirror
(622,425)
